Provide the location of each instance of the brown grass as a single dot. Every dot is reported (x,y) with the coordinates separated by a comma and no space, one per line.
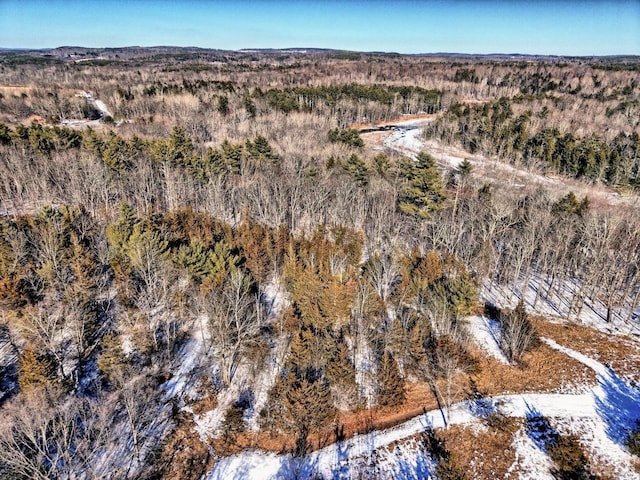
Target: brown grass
(621,353)
(205,405)
(543,370)
(483,453)
(183,455)
(419,399)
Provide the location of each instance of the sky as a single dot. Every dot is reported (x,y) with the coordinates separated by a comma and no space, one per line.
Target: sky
(547,27)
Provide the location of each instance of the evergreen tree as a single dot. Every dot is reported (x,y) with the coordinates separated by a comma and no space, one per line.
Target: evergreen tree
(223,105)
(260,151)
(180,147)
(390,383)
(308,407)
(34,370)
(213,165)
(462,294)
(193,257)
(40,139)
(464,169)
(5,134)
(382,164)
(249,106)
(115,154)
(119,233)
(569,205)
(232,157)
(423,192)
(348,136)
(355,167)
(339,369)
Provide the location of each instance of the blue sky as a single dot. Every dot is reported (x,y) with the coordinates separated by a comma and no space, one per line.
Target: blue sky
(561,27)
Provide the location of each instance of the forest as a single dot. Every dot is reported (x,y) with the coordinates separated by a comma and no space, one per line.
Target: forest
(203,254)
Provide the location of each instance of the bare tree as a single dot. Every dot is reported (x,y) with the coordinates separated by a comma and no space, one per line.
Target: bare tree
(234,320)
(45,435)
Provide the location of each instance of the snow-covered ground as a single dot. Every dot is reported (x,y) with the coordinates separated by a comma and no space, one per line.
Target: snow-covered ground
(247,383)
(97,104)
(181,384)
(486,334)
(406,139)
(601,419)
(532,463)
(556,304)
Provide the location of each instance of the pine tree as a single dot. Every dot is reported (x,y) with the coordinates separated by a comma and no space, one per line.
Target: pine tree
(115,153)
(213,165)
(308,407)
(260,151)
(423,192)
(382,164)
(232,157)
(390,383)
(464,169)
(462,294)
(119,233)
(111,362)
(339,369)
(249,106)
(223,105)
(91,141)
(180,147)
(5,134)
(355,167)
(193,258)
(417,353)
(569,205)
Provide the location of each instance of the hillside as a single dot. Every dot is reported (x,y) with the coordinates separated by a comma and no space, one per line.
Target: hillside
(309,263)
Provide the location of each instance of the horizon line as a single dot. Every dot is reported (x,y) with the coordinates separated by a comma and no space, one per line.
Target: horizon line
(327,49)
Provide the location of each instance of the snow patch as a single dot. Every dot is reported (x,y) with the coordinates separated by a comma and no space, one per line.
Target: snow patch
(266,380)
(617,403)
(531,462)
(603,452)
(192,352)
(486,334)
(555,302)
(407,140)
(273,296)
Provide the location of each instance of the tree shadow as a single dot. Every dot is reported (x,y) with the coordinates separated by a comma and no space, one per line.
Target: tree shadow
(618,405)
(539,430)
(295,467)
(421,466)
(479,404)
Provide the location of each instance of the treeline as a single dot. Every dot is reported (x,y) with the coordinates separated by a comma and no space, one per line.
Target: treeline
(307,98)
(156,174)
(494,129)
(192,87)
